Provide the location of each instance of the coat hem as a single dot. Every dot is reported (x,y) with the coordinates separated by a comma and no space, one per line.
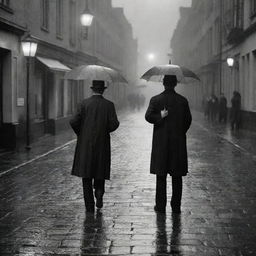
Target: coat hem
(86,177)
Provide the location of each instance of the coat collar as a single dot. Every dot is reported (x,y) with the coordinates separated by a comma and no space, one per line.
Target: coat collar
(169,91)
(97,96)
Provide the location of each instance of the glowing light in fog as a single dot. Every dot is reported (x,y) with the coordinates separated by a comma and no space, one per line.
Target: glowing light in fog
(151,56)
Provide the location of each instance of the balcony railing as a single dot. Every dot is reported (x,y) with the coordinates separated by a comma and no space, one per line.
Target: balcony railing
(233,22)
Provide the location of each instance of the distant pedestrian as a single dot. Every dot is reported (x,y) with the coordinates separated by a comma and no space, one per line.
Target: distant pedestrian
(95,119)
(213,107)
(170,114)
(235,111)
(205,105)
(223,110)
(210,105)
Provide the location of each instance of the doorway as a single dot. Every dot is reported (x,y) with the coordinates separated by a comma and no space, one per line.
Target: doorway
(3,54)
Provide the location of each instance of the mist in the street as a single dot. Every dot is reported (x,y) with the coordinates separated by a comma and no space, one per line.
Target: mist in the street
(127,127)
(153,24)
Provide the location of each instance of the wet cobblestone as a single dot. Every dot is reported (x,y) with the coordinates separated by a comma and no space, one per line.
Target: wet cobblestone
(42,210)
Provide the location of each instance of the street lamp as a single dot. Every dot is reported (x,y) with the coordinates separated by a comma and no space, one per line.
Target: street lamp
(230,62)
(86,19)
(151,57)
(29,47)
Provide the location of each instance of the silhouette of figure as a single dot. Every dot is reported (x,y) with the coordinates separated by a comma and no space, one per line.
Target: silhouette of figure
(170,114)
(213,107)
(207,107)
(223,110)
(235,112)
(95,119)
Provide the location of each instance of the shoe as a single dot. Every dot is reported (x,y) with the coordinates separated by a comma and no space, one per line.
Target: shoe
(158,210)
(99,202)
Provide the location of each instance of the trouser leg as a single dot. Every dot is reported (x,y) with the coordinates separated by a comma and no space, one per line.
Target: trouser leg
(176,191)
(99,186)
(161,192)
(88,193)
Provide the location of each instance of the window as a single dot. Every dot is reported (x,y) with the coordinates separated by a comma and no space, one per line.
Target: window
(5,5)
(253,7)
(80,91)
(72,96)
(233,15)
(45,14)
(39,97)
(5,2)
(72,22)
(59,18)
(238,13)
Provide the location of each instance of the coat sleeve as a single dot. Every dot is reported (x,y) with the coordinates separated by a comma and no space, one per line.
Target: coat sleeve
(188,117)
(76,120)
(113,122)
(153,115)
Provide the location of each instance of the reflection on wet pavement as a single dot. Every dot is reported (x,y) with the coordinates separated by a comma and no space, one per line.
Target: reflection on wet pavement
(42,210)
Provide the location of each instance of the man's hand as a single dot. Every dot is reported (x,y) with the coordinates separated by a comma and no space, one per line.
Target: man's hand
(164,113)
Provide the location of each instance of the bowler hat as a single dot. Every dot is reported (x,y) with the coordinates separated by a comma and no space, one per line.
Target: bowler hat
(98,84)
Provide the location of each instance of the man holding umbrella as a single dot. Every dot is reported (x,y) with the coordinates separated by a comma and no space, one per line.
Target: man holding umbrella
(94,121)
(170,114)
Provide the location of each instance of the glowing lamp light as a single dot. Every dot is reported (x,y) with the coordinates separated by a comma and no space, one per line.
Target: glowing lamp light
(230,62)
(151,56)
(86,19)
(29,48)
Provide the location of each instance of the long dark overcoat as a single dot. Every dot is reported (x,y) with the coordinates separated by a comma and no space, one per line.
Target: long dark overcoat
(169,149)
(95,119)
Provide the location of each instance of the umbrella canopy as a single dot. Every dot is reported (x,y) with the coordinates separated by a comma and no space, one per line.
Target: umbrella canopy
(95,72)
(156,74)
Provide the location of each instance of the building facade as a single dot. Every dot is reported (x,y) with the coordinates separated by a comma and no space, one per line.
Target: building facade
(62,45)
(207,34)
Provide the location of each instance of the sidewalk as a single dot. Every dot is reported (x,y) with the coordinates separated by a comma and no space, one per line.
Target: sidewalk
(244,140)
(12,160)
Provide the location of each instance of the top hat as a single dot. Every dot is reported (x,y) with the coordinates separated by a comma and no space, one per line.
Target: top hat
(98,84)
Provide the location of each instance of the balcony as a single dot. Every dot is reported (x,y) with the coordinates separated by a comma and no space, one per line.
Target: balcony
(235,36)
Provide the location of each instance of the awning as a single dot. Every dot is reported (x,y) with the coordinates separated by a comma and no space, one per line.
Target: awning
(53,64)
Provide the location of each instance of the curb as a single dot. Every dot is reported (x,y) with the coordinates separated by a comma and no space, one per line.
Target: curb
(37,157)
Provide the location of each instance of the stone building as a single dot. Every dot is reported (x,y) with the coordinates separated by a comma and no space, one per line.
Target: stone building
(207,34)
(62,45)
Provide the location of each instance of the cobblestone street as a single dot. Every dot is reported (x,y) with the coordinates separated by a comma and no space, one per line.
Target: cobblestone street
(42,209)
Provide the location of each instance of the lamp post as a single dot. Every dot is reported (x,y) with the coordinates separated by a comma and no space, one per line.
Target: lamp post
(86,19)
(231,62)
(221,5)
(29,47)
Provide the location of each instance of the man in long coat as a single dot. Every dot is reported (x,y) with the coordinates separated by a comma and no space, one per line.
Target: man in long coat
(94,121)
(170,114)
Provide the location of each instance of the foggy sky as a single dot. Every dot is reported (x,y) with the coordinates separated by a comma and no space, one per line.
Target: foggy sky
(153,23)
